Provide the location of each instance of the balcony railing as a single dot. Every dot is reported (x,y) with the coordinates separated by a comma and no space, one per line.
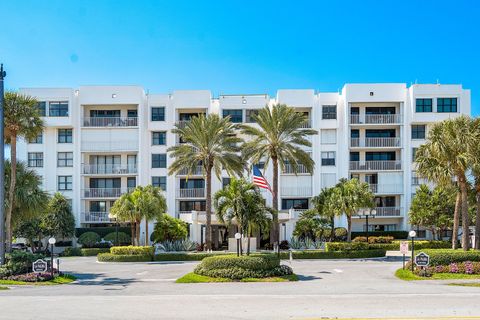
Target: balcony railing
(388,211)
(306,124)
(182,123)
(191,193)
(110,122)
(108,169)
(108,146)
(104,192)
(375,118)
(96,217)
(197,172)
(296,191)
(300,169)
(375,142)
(386,188)
(375,165)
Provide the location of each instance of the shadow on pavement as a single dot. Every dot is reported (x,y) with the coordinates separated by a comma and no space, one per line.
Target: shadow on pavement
(307,278)
(98,279)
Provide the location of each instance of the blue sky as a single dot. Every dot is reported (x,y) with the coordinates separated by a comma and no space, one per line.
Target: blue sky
(240,46)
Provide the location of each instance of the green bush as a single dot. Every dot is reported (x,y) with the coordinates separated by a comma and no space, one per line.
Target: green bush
(318,254)
(374,239)
(123,238)
(169,228)
(133,250)
(89,239)
(447,256)
(102,231)
(185,256)
(395,234)
(346,246)
(91,252)
(18,262)
(419,245)
(109,257)
(71,252)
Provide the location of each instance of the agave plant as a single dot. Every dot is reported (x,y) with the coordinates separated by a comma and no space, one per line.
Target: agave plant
(296,243)
(177,245)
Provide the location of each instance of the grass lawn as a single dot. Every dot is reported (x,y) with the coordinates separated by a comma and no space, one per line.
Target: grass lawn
(407,275)
(195,278)
(67,278)
(468,284)
(3,288)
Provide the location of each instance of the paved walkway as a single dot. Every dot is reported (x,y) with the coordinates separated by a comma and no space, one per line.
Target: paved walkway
(328,289)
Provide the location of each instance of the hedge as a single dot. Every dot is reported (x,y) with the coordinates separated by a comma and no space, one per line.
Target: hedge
(85,252)
(394,246)
(186,256)
(447,256)
(109,257)
(395,234)
(102,231)
(318,254)
(133,250)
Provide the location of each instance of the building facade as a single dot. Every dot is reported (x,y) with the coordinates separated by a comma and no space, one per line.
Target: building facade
(101,141)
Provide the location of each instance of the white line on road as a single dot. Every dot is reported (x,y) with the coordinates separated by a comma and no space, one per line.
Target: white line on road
(338,270)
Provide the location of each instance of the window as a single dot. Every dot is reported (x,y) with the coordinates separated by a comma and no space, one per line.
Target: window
(249,117)
(236,116)
(98,206)
(294,204)
(192,184)
(131,183)
(418,131)
(380,110)
(37,139)
(354,156)
(329,136)
(64,183)
(65,135)
(193,205)
(159,160)
(158,114)
(380,156)
(42,108)
(328,158)
(104,113)
(65,159)
(58,109)
(329,112)
(159,138)
(225,182)
(105,183)
(160,182)
(447,105)
(423,105)
(35,159)
(132,113)
(414,154)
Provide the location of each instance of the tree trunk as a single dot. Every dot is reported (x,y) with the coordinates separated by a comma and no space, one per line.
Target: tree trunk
(248,241)
(137,231)
(477,215)
(208,208)
(332,226)
(274,231)
(146,233)
(132,230)
(11,193)
(241,241)
(456,221)
(465,218)
(349,228)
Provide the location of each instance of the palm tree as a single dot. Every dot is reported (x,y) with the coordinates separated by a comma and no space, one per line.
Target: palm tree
(475,157)
(22,120)
(241,203)
(445,157)
(350,196)
(279,140)
(211,142)
(138,204)
(325,208)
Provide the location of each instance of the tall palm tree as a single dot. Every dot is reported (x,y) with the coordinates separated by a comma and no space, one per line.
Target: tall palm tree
(445,157)
(241,203)
(279,140)
(349,197)
(211,142)
(475,158)
(138,204)
(22,120)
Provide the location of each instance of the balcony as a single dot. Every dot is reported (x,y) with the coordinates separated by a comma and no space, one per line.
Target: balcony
(375,165)
(191,193)
(104,192)
(301,169)
(375,142)
(110,122)
(385,188)
(197,172)
(109,146)
(296,191)
(95,217)
(376,119)
(112,169)
(306,124)
(388,211)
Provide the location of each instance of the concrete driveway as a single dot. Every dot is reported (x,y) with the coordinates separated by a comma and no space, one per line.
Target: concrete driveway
(327,289)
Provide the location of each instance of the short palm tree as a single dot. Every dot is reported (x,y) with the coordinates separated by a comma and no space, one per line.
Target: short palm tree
(22,120)
(445,157)
(279,139)
(241,203)
(349,196)
(140,203)
(325,207)
(211,142)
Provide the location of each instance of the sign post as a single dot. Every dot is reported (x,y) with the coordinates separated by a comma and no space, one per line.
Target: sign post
(404,250)
(40,266)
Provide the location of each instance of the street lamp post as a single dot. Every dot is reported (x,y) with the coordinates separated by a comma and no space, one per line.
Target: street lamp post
(2,172)
(51,241)
(367,213)
(412,235)
(238,236)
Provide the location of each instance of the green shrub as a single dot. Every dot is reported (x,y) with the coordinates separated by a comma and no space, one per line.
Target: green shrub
(395,234)
(169,228)
(185,256)
(133,250)
(447,256)
(89,239)
(123,238)
(108,257)
(346,246)
(91,252)
(102,231)
(72,252)
(374,239)
(340,233)
(317,254)
(19,262)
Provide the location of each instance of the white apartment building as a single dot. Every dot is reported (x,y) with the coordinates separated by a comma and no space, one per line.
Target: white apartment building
(99,141)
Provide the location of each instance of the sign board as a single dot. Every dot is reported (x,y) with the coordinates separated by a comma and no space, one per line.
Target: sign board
(403,247)
(422,259)
(40,266)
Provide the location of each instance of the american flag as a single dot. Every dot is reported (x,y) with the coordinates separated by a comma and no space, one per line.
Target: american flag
(259,180)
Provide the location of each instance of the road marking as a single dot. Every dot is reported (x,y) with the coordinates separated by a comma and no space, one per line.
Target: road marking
(338,270)
(142,273)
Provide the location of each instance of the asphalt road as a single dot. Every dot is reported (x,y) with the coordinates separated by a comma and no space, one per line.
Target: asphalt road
(327,289)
